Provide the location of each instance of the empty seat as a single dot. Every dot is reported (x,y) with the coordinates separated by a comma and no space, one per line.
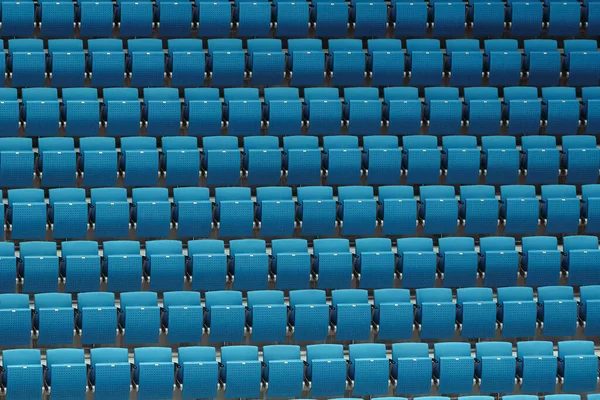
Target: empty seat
(375,262)
(417,262)
(66,372)
(590,302)
(283,370)
(330,18)
(439,209)
(253,18)
(154,372)
(110,373)
(249,264)
(362,111)
(291,263)
(421,159)
(577,366)
(183,53)
(525,19)
(520,209)
(151,212)
(425,62)
(165,265)
(10,109)
(579,257)
(225,316)
(41,112)
(81,266)
(401,217)
(522,110)
(39,267)
(54,318)
(409,18)
(266,60)
(309,315)
(122,112)
(503,62)
(443,111)
(479,208)
(495,367)
(214,18)
(560,208)
(302,159)
(221,160)
(537,367)
(561,111)
(326,369)
(369,370)
(24,373)
(501,160)
(192,211)
(476,312)
(346,62)
(385,62)
(243,111)
(487,18)
(57,162)
(66,59)
(317,210)
(564,18)
(449,19)
(68,213)
(97,318)
(461,159)
(18,18)
(180,160)
(27,213)
(464,62)
(357,210)
(542,63)
(517,312)
(162,111)
(144,317)
(332,263)
(123,265)
(499,261)
(203,111)
(541,260)
(95,19)
(582,61)
(458,262)
(322,111)
(436,313)
(580,159)
(109,212)
(139,161)
(145,60)
(393,316)
(291,18)
(342,160)
(26,57)
(402,110)
(369,18)
(80,110)
(306,61)
(267,316)
(198,371)
(381,159)
(15,311)
(589,197)
(453,367)
(207,264)
(17,166)
(557,311)
(275,211)
(226,62)
(283,111)
(106,63)
(483,110)
(234,211)
(412,370)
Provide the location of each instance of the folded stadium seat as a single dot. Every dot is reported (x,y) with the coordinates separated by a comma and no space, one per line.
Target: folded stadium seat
(243,111)
(186,61)
(10,110)
(309,315)
(253,19)
(439,209)
(214,18)
(579,260)
(145,60)
(106,63)
(357,211)
(123,266)
(135,18)
(453,367)
(522,110)
(464,62)
(375,263)
(221,160)
(436,314)
(27,214)
(109,212)
(525,19)
(541,261)
(249,264)
(203,111)
(501,159)
(577,366)
(151,212)
(536,366)
(262,160)
(240,371)
(267,316)
(591,16)
(421,159)
(266,60)
(306,60)
(461,159)
(482,111)
(368,18)
(162,111)
(486,18)
(542,63)
(557,311)
(197,371)
(81,265)
(402,110)
(96,318)
(153,372)
(17,162)
(282,110)
(342,160)
(495,367)
(476,312)
(139,161)
(180,160)
(110,373)
(330,19)
(53,320)
(326,369)
(317,210)
(589,197)
(560,208)
(226,62)
(479,209)
(275,211)
(44,112)
(66,372)
(346,62)
(283,370)
(412,359)
(94,18)
(503,62)
(541,159)
(448,18)
(382,159)
(207,264)
(417,262)
(121,112)
(16,314)
(401,219)
(175,19)
(564,18)
(362,111)
(165,265)
(68,213)
(458,262)
(393,314)
(499,261)
(443,111)
(560,111)
(425,62)
(8,268)
(290,263)
(580,159)
(517,312)
(24,373)
(234,212)
(409,19)
(589,297)
(369,369)
(80,112)
(385,60)
(56,19)
(225,316)
(302,159)
(144,317)
(333,263)
(591,109)
(326,108)
(582,61)
(66,61)
(18,18)
(291,18)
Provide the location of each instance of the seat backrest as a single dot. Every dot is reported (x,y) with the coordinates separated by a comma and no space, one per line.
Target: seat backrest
(396,192)
(121,248)
(517,191)
(534,348)
(273,193)
(456,244)
(539,243)
(264,297)
(496,243)
(414,244)
(340,142)
(207,246)
(79,248)
(451,350)
(246,246)
(190,194)
(223,298)
(373,244)
(163,247)
(498,142)
(152,354)
(331,246)
(493,349)
(95,299)
(307,296)
(555,293)
(314,193)
(433,295)
(355,193)
(558,191)
(409,350)
(422,45)
(441,93)
(288,246)
(580,242)
(232,194)
(437,192)
(138,299)
(390,296)
(477,192)
(149,194)
(349,296)
(419,142)
(514,294)
(473,294)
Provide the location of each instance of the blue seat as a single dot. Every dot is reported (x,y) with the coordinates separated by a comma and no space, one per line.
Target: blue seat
(503,62)
(458,262)
(144,317)
(81,266)
(416,366)
(449,19)
(541,159)
(66,372)
(27,214)
(10,111)
(26,59)
(283,110)
(330,19)
(221,160)
(123,266)
(402,110)
(317,210)
(436,313)
(525,19)
(226,62)
(302,159)
(306,61)
(291,263)
(385,62)
(495,367)
(15,311)
(464,61)
(309,315)
(54,318)
(40,112)
(542,63)
(578,260)
(291,18)
(417,262)
(198,371)
(68,213)
(39,267)
(393,315)
(369,19)
(479,209)
(346,62)
(110,373)
(382,159)
(560,208)
(18,18)
(499,261)
(557,311)
(536,367)
(23,372)
(241,370)
(517,312)
(8,268)
(283,370)
(151,212)
(369,370)
(275,211)
(501,160)
(439,209)
(421,159)
(342,160)
(252,18)
(409,18)
(97,318)
(109,212)
(375,263)
(590,303)
(122,113)
(96,18)
(225,316)
(243,111)
(476,312)
(267,316)
(453,367)
(162,111)
(561,111)
(483,110)
(175,19)
(165,265)
(362,111)
(106,63)
(564,18)
(443,111)
(322,111)
(591,14)
(425,62)
(207,264)
(154,372)
(266,60)
(66,57)
(249,264)
(589,196)
(214,18)
(180,161)
(461,159)
(520,209)
(357,210)
(326,369)
(203,111)
(332,263)
(580,159)
(541,260)
(487,18)
(577,366)
(522,110)
(135,18)
(234,211)
(582,61)
(186,62)
(192,212)
(139,161)
(80,110)
(145,58)
(17,165)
